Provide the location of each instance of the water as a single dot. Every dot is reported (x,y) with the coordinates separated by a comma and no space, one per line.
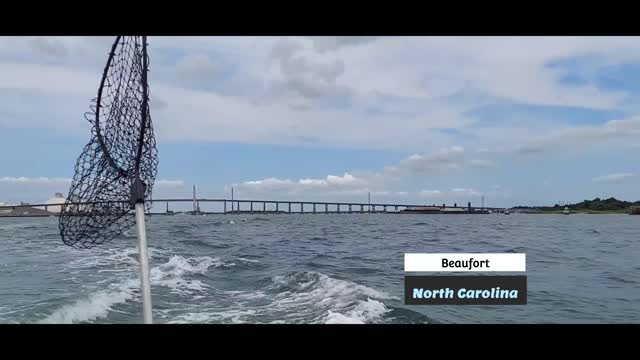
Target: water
(317,269)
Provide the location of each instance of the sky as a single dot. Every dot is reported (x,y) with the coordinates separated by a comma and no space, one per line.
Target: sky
(418,120)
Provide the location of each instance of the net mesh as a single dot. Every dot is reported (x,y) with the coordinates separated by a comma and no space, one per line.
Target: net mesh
(122,148)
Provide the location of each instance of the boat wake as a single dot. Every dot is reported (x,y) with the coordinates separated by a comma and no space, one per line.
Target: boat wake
(174,274)
(299,297)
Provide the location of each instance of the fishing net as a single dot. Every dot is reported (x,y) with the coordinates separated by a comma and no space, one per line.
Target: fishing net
(118,166)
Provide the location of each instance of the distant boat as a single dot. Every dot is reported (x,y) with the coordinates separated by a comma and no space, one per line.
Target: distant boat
(507,212)
(566,211)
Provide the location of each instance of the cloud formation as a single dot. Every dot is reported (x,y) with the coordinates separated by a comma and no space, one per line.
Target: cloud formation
(34,180)
(196,67)
(385,183)
(329,43)
(625,130)
(169,183)
(396,99)
(302,79)
(346,183)
(49,46)
(416,96)
(445,158)
(613,178)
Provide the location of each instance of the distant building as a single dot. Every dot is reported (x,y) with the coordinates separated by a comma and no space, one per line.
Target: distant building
(4,211)
(57,199)
(453,210)
(423,210)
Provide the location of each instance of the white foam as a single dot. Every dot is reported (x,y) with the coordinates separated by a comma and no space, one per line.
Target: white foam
(302,297)
(110,257)
(179,265)
(171,274)
(97,305)
(191,318)
(316,297)
(337,318)
(364,312)
(233,315)
(247,295)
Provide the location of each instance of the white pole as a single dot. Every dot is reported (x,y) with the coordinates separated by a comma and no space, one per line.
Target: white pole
(144,263)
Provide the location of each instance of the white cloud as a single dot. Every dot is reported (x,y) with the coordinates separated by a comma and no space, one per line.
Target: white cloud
(14,189)
(34,180)
(330,92)
(613,178)
(386,183)
(196,67)
(332,183)
(169,183)
(49,46)
(395,194)
(445,158)
(404,83)
(466,192)
(626,130)
(430,193)
(482,163)
(303,78)
(460,196)
(329,43)
(507,67)
(67,181)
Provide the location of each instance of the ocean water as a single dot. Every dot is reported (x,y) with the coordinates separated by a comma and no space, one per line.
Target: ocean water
(317,269)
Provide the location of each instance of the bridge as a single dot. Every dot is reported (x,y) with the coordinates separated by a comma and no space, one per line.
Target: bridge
(237,206)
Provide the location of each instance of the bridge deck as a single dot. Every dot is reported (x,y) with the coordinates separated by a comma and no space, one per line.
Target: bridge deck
(318,207)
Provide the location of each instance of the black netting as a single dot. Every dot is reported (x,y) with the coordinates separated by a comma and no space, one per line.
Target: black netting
(122,149)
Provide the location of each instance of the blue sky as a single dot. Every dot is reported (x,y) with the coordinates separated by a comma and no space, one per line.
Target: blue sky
(522,121)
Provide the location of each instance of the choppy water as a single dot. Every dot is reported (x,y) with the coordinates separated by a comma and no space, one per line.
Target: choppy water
(317,269)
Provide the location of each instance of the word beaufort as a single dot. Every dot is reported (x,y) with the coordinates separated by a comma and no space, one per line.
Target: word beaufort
(465,264)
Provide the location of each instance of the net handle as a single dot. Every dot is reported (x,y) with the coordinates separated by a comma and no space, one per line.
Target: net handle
(98,106)
(138,188)
(145,103)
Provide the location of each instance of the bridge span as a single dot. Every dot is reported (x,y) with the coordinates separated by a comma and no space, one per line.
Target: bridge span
(236,206)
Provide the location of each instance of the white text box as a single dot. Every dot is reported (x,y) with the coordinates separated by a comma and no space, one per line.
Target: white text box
(476,262)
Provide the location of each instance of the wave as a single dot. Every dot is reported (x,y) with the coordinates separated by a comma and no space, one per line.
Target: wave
(299,297)
(202,243)
(97,305)
(22,225)
(232,316)
(621,279)
(174,274)
(364,312)
(180,233)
